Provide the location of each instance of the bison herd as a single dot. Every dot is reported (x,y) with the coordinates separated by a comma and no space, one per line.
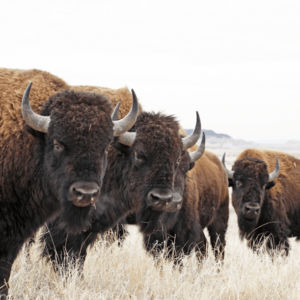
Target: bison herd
(66,159)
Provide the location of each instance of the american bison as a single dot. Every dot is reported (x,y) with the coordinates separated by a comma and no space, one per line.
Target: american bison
(142,167)
(203,192)
(55,162)
(266,197)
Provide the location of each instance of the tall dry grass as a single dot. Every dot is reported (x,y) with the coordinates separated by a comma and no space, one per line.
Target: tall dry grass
(128,272)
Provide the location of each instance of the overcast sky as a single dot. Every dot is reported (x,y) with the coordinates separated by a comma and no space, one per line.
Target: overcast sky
(236,62)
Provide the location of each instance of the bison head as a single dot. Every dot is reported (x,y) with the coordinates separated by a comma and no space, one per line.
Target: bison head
(74,132)
(156,151)
(249,181)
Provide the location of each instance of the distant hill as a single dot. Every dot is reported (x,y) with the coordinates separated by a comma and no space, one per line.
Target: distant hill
(224,141)
(209,133)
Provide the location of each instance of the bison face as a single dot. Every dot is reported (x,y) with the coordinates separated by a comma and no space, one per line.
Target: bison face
(74,132)
(150,220)
(155,153)
(155,163)
(249,184)
(73,153)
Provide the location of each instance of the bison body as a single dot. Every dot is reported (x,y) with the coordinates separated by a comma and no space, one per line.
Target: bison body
(266,208)
(49,169)
(205,205)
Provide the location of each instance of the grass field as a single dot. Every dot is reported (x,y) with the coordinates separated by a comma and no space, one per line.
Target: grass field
(128,272)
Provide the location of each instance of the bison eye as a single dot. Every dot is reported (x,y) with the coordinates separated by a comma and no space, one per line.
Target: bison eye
(139,157)
(238,184)
(178,160)
(58,147)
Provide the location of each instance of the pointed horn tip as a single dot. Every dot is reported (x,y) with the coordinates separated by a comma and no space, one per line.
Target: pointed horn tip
(275,173)
(26,93)
(115,113)
(135,103)
(223,158)
(133,93)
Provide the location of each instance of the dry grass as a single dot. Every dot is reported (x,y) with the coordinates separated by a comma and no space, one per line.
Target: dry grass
(127,272)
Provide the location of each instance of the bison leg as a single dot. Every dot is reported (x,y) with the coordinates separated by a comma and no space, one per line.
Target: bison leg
(155,243)
(217,230)
(8,254)
(194,240)
(120,231)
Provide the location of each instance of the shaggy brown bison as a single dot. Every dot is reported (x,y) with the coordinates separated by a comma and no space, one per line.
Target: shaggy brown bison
(265,197)
(140,177)
(205,204)
(55,162)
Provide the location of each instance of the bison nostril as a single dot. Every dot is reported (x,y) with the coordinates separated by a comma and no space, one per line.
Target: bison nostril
(77,193)
(155,198)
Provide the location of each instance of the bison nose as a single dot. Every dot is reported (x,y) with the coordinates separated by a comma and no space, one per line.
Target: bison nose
(251,210)
(176,203)
(84,193)
(159,199)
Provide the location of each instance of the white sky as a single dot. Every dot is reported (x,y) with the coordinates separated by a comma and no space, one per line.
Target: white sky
(236,62)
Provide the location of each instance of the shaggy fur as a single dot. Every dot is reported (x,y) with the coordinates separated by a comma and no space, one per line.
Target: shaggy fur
(279,201)
(122,95)
(34,179)
(128,180)
(205,204)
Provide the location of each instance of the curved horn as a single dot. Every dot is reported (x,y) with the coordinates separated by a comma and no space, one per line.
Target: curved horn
(128,121)
(35,121)
(229,173)
(114,115)
(192,139)
(275,173)
(194,156)
(127,138)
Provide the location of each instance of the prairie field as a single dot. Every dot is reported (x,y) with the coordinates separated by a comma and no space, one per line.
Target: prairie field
(128,272)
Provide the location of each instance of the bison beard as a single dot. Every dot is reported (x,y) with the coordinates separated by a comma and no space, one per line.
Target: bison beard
(75,219)
(150,221)
(246,226)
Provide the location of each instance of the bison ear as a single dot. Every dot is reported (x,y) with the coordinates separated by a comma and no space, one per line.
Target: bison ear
(36,134)
(230,182)
(192,165)
(120,147)
(270,185)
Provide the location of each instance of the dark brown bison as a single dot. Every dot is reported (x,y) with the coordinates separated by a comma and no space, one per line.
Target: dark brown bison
(55,162)
(203,192)
(265,197)
(142,168)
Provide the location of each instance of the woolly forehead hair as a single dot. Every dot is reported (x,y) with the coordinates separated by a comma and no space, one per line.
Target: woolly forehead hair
(79,112)
(151,119)
(250,165)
